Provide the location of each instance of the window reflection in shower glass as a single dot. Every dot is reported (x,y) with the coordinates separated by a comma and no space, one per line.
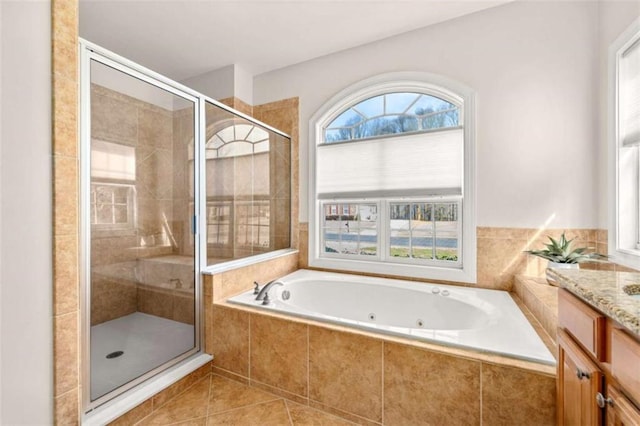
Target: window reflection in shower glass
(248,181)
(142,274)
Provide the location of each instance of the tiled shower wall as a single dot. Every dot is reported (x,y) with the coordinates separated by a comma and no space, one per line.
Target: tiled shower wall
(65,212)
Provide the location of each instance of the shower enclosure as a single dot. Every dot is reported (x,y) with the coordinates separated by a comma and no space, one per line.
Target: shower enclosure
(140,242)
(172,182)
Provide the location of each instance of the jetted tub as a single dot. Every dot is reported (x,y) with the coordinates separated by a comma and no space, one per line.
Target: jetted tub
(480,319)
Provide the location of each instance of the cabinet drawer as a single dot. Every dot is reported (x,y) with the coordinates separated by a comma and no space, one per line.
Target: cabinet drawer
(584,323)
(625,362)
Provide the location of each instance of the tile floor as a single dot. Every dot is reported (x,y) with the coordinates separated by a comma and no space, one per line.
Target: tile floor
(216,400)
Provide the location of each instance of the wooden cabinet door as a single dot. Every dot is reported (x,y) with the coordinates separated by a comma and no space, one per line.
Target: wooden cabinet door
(579,382)
(620,411)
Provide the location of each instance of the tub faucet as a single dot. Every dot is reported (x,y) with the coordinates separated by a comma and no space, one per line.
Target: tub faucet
(264,292)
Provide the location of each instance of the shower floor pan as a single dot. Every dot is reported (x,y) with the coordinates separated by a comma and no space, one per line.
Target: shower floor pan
(146,342)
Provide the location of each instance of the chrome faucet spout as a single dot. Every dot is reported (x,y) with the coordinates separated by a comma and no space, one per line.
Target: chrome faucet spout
(265,290)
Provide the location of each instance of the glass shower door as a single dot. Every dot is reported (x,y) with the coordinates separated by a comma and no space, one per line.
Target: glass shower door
(139,204)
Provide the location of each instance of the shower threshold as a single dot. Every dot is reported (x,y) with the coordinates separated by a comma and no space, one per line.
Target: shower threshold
(146,341)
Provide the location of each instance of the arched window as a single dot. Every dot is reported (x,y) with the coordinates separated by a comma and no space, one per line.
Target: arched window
(236,140)
(392,114)
(390,181)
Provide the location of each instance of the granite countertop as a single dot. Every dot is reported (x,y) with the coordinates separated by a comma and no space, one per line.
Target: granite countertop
(604,291)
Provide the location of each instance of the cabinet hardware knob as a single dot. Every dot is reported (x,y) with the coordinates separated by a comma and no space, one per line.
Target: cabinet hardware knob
(602,401)
(582,374)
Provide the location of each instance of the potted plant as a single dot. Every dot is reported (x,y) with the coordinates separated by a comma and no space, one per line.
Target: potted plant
(561,255)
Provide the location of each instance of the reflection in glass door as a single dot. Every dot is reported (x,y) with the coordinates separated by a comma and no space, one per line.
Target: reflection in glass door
(138,208)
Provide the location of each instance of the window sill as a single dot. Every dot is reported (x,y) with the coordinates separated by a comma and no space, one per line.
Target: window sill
(246,261)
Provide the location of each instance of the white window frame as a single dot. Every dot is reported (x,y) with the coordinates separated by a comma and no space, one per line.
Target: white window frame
(623,255)
(418,82)
(113,229)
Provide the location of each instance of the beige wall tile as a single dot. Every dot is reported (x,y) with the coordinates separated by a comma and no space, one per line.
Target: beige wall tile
(111,299)
(67,408)
(499,261)
(345,372)
(65,112)
(208,326)
(230,339)
(602,235)
(279,353)
(65,196)
(65,274)
(496,233)
(421,385)
(65,352)
(155,302)
(64,20)
(514,397)
(229,375)
(183,308)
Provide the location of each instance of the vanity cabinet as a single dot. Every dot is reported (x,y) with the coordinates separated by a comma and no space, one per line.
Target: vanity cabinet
(598,367)
(579,382)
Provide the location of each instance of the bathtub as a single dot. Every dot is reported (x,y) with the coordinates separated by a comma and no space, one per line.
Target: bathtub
(478,319)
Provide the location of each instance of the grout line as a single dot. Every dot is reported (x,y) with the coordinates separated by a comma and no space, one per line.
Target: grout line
(308,364)
(209,393)
(481,369)
(249,347)
(286,406)
(382,384)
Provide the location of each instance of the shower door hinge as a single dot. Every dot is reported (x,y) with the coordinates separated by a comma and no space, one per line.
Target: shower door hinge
(194,225)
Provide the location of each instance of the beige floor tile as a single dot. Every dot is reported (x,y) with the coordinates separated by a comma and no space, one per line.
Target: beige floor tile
(301,415)
(226,395)
(190,405)
(272,413)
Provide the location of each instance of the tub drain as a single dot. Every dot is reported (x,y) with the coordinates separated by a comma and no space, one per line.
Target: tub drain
(372,317)
(115,354)
(420,323)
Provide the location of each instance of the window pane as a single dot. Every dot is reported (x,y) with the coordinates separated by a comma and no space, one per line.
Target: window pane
(350,229)
(399,227)
(422,231)
(393,113)
(446,230)
(398,103)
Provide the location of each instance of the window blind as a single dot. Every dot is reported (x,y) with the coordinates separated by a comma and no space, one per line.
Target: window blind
(629,106)
(423,164)
(112,161)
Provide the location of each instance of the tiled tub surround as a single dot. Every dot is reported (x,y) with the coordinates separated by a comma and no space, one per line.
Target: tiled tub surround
(478,319)
(372,379)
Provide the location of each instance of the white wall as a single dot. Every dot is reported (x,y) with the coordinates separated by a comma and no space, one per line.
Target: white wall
(25,212)
(227,82)
(534,68)
(613,18)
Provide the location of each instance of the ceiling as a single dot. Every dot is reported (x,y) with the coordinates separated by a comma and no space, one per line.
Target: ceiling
(182,39)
